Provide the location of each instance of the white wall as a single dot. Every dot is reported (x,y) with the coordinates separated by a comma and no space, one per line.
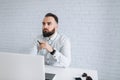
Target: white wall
(92,25)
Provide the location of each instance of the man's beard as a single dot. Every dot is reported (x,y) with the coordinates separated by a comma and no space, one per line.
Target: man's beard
(48,34)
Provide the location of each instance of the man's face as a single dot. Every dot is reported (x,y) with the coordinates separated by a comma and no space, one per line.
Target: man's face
(49,26)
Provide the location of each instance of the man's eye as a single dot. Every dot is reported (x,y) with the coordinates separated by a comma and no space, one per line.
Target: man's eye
(43,23)
(49,23)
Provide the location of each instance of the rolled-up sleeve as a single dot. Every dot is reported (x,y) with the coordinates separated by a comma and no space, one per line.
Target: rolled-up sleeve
(63,56)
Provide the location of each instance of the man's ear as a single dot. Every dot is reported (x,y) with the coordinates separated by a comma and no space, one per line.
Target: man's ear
(56,27)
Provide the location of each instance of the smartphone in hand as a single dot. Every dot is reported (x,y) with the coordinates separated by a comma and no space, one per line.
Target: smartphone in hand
(39,42)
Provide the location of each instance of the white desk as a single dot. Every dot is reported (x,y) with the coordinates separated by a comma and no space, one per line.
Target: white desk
(70,73)
(61,73)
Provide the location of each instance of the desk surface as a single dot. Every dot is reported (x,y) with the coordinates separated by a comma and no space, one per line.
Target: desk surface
(70,73)
(61,73)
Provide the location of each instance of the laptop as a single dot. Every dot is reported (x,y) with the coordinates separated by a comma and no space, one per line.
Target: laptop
(21,67)
(49,76)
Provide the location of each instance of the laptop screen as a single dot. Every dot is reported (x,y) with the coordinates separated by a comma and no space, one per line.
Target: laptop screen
(21,67)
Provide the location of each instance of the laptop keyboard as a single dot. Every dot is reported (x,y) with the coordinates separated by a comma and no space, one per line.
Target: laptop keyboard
(49,76)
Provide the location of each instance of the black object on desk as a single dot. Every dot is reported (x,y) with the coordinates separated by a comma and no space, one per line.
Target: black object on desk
(78,78)
(87,77)
(49,76)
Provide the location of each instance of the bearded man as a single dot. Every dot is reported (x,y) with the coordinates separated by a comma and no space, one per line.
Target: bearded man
(55,47)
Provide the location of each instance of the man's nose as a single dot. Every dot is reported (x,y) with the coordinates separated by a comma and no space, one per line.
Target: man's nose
(45,26)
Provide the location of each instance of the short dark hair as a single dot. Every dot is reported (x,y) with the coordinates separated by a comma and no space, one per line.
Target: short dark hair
(52,15)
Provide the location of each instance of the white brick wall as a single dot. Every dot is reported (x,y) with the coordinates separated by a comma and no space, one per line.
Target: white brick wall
(92,25)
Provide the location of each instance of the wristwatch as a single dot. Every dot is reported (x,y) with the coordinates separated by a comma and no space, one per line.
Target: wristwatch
(53,52)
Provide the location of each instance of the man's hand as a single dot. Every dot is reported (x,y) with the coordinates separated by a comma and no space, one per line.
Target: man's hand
(46,46)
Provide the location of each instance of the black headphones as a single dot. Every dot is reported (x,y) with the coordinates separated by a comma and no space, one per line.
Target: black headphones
(87,77)
(84,75)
